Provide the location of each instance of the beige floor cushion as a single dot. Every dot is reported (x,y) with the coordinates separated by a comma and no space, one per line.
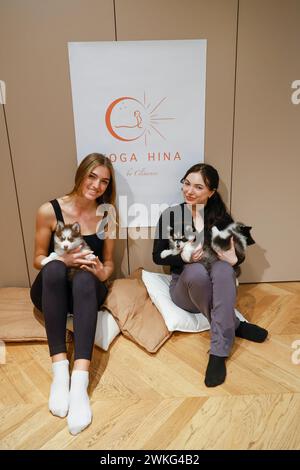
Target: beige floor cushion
(17,322)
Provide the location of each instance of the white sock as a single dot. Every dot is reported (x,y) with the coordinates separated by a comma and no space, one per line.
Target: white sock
(80,413)
(59,391)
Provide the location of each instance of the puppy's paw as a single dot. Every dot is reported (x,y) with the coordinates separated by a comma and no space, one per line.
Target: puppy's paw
(90,256)
(165,253)
(49,258)
(186,256)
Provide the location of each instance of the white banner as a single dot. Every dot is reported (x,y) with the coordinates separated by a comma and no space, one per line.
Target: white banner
(142,104)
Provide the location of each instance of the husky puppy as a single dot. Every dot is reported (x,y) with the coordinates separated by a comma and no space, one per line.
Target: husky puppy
(66,238)
(180,243)
(220,240)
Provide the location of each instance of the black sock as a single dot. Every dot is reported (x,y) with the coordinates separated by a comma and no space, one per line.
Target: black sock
(251,332)
(216,371)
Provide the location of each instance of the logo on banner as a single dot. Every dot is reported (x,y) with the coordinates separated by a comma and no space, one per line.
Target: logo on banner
(129,119)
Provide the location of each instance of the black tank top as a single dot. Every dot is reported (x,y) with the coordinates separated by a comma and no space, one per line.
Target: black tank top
(94,242)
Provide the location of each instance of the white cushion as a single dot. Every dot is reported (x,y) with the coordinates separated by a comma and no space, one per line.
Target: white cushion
(175,317)
(106,330)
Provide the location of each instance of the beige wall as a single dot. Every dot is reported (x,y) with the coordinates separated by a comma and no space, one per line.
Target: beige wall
(13,269)
(252,128)
(266,164)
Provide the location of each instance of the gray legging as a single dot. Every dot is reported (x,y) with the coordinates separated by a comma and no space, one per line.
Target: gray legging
(213,294)
(54,295)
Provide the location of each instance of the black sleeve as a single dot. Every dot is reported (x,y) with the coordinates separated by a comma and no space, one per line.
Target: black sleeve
(161,243)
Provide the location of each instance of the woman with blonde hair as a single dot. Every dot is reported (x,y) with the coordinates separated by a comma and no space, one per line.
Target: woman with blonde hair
(55,295)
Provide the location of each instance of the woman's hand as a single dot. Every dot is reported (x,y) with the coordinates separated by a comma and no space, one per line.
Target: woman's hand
(228,255)
(98,269)
(197,254)
(76,258)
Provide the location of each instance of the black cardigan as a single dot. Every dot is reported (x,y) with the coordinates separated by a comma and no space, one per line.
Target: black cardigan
(174,216)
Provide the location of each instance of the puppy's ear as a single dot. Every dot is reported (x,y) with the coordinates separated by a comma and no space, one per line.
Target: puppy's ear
(59,227)
(170,231)
(76,228)
(246,232)
(250,240)
(191,238)
(215,231)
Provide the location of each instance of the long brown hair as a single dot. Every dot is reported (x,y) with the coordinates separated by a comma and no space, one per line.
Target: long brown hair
(86,166)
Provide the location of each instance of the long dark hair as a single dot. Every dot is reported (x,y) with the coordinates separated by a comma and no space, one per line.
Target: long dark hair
(215,209)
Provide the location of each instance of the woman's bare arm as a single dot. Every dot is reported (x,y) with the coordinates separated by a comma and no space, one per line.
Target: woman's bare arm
(44,224)
(108,262)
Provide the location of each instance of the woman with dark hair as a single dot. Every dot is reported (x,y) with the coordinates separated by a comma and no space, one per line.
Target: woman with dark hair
(55,295)
(192,287)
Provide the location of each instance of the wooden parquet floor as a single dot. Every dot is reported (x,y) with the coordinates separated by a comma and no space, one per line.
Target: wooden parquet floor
(144,401)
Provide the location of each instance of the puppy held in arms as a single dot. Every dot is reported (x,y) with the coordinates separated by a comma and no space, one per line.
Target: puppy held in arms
(220,240)
(67,238)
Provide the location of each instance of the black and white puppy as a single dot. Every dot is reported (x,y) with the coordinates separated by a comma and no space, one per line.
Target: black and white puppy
(220,240)
(181,243)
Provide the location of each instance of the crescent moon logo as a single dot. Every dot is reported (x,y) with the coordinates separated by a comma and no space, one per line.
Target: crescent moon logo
(124,119)
(128,119)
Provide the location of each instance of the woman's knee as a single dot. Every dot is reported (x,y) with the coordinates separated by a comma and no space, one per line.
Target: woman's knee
(222,270)
(36,298)
(84,283)
(195,274)
(54,273)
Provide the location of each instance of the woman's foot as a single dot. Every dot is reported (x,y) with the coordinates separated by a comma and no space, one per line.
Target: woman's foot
(80,413)
(59,391)
(251,332)
(216,371)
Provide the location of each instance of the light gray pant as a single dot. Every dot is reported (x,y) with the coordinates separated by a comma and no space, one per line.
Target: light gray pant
(213,294)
